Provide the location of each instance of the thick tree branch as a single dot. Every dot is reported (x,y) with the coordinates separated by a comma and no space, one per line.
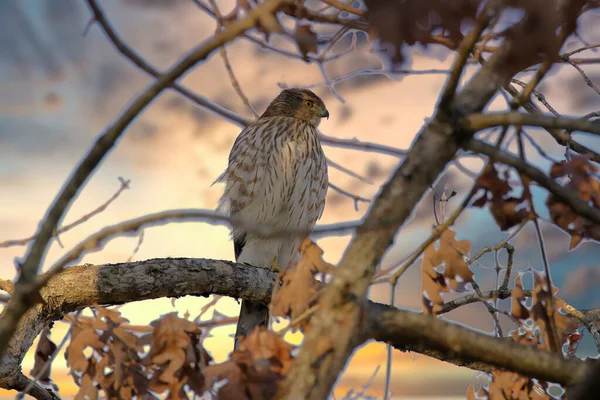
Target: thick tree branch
(404,329)
(127,282)
(22,299)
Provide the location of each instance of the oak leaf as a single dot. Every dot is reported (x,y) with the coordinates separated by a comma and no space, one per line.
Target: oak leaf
(508,211)
(298,283)
(456,272)
(583,180)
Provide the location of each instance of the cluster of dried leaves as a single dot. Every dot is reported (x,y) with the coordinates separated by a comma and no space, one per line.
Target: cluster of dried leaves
(110,358)
(540,33)
(582,179)
(536,329)
(507,210)
(444,269)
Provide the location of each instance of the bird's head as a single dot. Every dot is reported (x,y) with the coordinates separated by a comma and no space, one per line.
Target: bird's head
(301,104)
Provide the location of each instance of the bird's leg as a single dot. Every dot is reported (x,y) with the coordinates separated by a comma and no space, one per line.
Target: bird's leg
(274,266)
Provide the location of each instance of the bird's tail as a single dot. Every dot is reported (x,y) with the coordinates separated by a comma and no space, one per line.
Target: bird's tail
(251,315)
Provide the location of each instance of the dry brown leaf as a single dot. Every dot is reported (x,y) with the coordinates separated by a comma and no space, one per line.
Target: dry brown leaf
(508,385)
(263,344)
(80,341)
(298,283)
(456,271)
(43,355)
(518,309)
(408,22)
(170,340)
(507,211)
(582,180)
(254,369)
(306,39)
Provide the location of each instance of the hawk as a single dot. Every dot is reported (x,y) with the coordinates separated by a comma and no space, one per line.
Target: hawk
(276,176)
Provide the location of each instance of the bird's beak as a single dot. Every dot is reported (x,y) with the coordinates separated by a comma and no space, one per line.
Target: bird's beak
(325,114)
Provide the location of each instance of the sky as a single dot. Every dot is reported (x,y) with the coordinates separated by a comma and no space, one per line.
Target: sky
(60,87)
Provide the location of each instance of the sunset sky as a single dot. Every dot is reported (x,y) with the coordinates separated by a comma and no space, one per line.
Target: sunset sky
(60,88)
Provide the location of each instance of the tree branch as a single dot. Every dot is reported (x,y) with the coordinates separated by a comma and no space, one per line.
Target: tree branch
(561,137)
(130,54)
(22,300)
(113,284)
(477,122)
(405,329)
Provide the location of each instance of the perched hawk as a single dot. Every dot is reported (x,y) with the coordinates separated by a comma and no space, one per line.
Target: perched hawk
(277,176)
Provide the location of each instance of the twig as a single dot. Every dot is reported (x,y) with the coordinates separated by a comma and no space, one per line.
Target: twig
(344,7)
(476,122)
(579,50)
(586,78)
(137,246)
(84,218)
(502,294)
(356,144)
(552,328)
(223,50)
(390,349)
(492,311)
(592,326)
(463,52)
(561,137)
(348,172)
(130,54)
(356,198)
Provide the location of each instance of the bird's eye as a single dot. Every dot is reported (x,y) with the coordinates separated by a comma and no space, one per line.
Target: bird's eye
(308,103)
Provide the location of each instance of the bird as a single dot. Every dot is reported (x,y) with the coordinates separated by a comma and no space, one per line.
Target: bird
(277,178)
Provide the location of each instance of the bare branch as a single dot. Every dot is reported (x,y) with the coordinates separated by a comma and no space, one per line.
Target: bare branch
(586,78)
(478,122)
(356,144)
(348,172)
(223,50)
(79,221)
(130,54)
(404,329)
(561,137)
(356,198)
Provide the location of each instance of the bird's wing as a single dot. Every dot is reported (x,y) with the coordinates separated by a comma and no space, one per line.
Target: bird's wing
(319,186)
(251,180)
